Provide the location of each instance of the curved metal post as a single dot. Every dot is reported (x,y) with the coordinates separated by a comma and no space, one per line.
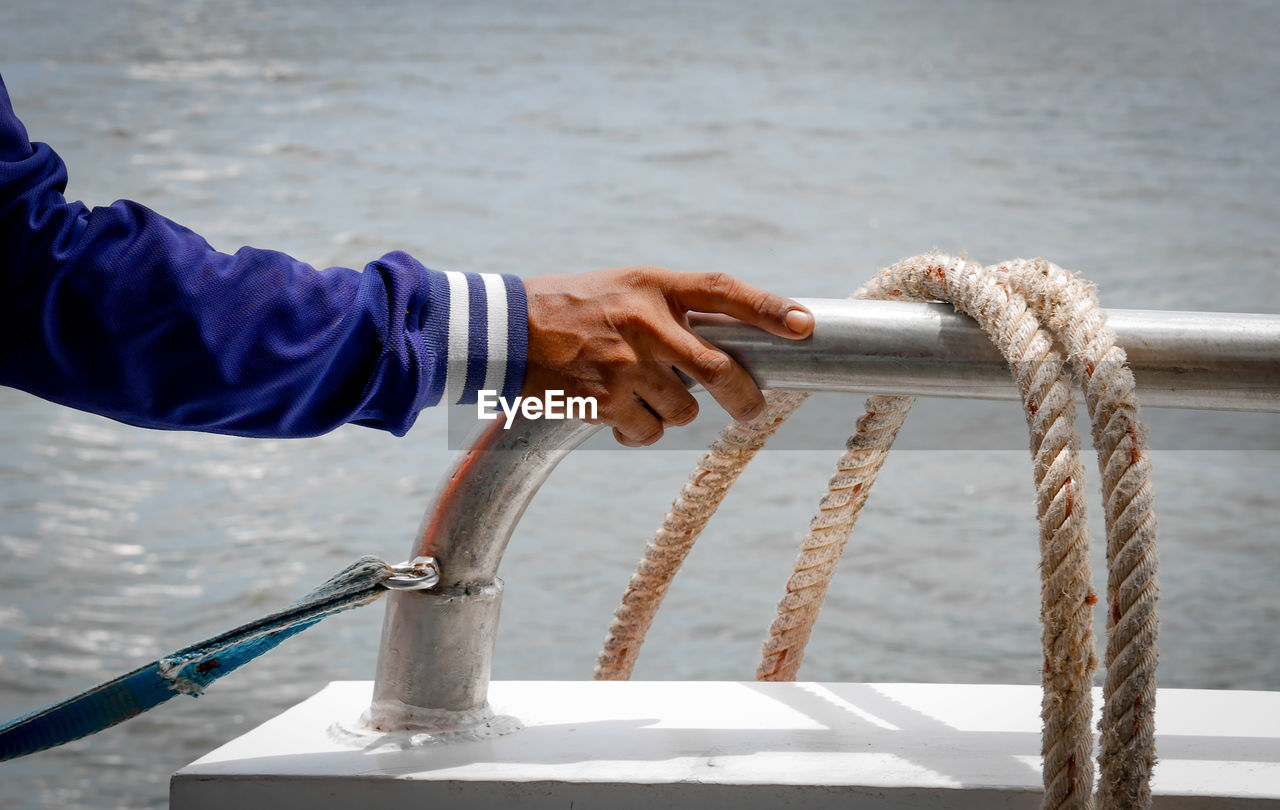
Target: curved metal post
(433,668)
(437,646)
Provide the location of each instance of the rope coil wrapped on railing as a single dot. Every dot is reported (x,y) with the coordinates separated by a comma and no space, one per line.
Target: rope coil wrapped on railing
(1035,313)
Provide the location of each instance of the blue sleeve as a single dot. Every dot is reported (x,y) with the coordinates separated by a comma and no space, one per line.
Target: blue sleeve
(119,311)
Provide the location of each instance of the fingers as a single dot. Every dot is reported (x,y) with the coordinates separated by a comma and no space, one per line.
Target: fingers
(626,441)
(634,425)
(660,400)
(667,397)
(727,381)
(721,292)
(621,335)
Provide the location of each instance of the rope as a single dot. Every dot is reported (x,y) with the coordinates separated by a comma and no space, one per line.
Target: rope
(698,500)
(190,670)
(1070,308)
(1035,313)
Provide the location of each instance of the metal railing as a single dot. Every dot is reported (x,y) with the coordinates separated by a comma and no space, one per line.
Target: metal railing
(434,663)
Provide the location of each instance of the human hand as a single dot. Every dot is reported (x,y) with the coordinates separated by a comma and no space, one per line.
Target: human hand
(617,335)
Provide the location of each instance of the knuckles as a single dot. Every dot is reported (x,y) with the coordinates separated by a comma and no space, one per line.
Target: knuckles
(642,276)
(713,367)
(686,412)
(636,324)
(719,285)
(766,306)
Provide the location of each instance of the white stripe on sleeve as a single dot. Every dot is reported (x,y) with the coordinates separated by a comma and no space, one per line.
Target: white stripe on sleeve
(495,374)
(455,370)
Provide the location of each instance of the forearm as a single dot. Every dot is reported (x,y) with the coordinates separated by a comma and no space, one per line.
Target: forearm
(120,311)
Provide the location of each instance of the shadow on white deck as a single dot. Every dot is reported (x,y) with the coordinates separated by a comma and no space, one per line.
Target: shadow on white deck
(731,745)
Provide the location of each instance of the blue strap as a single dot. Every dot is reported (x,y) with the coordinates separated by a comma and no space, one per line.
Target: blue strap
(189,670)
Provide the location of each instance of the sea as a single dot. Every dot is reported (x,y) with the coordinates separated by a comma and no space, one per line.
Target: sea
(800,146)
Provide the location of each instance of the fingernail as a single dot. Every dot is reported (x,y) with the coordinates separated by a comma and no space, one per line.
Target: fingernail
(798,321)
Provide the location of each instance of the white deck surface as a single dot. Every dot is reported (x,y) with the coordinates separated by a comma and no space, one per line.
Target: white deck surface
(622,745)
